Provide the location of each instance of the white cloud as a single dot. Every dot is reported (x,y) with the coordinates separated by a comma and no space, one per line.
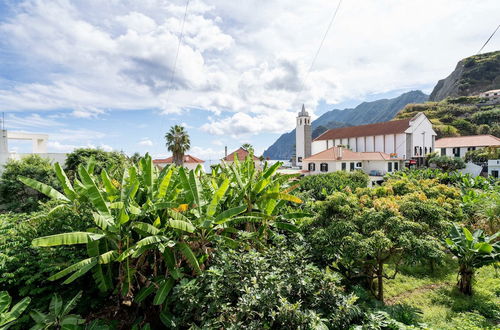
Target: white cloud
(56,146)
(245,62)
(145,142)
(13,121)
(207,154)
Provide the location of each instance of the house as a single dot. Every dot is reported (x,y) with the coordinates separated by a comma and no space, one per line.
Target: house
(494,168)
(407,139)
(493,96)
(190,162)
(458,146)
(343,159)
(241,154)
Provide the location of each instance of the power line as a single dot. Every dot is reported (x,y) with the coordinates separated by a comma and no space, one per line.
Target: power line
(317,52)
(172,74)
(488,39)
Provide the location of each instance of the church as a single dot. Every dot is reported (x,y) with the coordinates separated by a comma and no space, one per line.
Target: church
(375,149)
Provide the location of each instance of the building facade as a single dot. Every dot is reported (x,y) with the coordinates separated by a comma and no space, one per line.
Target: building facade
(241,154)
(406,139)
(342,159)
(458,146)
(302,136)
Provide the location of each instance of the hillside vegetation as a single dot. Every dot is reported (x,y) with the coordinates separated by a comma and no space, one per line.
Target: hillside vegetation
(458,116)
(471,76)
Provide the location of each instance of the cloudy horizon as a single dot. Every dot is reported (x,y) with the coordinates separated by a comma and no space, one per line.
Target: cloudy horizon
(99,73)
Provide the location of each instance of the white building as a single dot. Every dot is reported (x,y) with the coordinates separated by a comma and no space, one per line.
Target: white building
(458,146)
(407,139)
(493,95)
(342,159)
(494,168)
(190,162)
(302,136)
(39,147)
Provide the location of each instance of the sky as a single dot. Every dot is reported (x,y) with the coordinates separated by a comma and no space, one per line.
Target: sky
(104,74)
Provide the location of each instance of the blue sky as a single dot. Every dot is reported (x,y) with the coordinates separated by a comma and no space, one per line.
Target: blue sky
(99,73)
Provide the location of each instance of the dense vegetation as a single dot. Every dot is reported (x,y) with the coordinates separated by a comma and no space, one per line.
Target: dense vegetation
(458,116)
(133,246)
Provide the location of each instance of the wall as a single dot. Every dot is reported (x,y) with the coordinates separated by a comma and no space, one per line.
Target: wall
(421,130)
(449,151)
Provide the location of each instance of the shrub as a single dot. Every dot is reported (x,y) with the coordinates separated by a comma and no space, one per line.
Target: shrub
(275,289)
(110,160)
(321,185)
(17,197)
(482,155)
(446,163)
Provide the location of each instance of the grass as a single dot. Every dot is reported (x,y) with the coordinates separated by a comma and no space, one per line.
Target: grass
(441,305)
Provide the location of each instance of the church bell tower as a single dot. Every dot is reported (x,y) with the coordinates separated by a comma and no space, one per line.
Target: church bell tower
(302,136)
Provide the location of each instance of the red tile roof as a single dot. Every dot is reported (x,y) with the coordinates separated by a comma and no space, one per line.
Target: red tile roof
(388,127)
(242,155)
(337,153)
(170,160)
(468,141)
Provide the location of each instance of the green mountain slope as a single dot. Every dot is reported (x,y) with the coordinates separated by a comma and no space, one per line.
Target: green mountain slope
(458,116)
(471,76)
(365,113)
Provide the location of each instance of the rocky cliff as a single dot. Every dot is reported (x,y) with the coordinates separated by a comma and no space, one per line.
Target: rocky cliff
(471,76)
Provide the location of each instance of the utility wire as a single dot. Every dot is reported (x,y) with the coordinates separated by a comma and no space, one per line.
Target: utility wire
(488,39)
(172,73)
(317,52)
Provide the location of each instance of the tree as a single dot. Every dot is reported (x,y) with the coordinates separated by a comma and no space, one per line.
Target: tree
(248,147)
(110,160)
(178,143)
(14,195)
(447,163)
(473,251)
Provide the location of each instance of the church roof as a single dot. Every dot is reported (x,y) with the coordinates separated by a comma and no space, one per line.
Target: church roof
(388,127)
(303,112)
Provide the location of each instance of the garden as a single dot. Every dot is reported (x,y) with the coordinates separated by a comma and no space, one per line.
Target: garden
(110,242)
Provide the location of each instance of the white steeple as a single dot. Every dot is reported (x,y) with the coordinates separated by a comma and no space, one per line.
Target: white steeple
(302,136)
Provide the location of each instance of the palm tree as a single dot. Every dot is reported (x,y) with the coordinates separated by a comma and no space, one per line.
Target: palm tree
(178,143)
(248,147)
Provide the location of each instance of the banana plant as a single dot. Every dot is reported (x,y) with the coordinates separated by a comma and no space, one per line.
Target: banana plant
(153,227)
(473,250)
(58,316)
(9,316)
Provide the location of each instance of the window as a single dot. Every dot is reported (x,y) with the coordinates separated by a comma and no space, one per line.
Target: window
(299,159)
(324,167)
(416,151)
(471,148)
(494,173)
(456,152)
(359,165)
(389,167)
(426,150)
(421,151)
(312,167)
(344,166)
(443,151)
(351,166)
(396,166)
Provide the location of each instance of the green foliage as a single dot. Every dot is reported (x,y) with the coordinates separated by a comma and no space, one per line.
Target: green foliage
(167,222)
(17,197)
(274,289)
(110,160)
(400,221)
(473,250)
(482,155)
(58,316)
(9,315)
(447,163)
(321,185)
(457,116)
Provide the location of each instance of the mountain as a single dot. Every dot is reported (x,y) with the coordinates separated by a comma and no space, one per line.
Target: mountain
(471,76)
(365,113)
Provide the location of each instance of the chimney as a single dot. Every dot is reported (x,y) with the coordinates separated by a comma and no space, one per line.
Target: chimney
(225,151)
